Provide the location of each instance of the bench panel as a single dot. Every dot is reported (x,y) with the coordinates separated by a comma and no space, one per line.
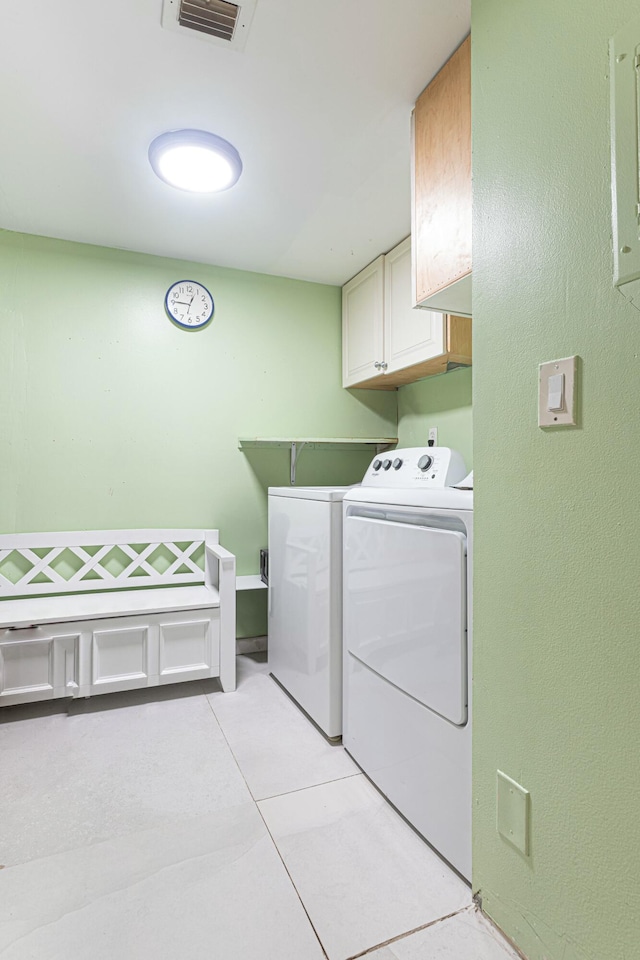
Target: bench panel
(132,652)
(120,657)
(35,665)
(189,649)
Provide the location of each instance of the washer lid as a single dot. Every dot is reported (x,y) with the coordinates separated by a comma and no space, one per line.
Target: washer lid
(310,493)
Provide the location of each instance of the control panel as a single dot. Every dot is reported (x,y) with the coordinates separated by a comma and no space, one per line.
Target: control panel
(416,467)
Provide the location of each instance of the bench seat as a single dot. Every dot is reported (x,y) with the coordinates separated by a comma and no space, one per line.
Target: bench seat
(75,619)
(98,606)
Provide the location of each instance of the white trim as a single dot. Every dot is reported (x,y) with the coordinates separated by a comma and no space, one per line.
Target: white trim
(67,608)
(220,574)
(251,581)
(92,538)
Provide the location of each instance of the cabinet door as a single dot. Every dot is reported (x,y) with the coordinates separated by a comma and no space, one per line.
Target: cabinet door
(442,178)
(189,646)
(123,654)
(411,335)
(363,324)
(132,652)
(37,664)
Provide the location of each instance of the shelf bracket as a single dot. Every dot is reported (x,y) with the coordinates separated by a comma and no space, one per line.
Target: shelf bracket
(296,450)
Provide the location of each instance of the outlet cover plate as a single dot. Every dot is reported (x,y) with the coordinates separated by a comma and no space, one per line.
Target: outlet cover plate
(513,805)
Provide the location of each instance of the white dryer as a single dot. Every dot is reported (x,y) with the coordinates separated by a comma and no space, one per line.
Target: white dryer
(408,540)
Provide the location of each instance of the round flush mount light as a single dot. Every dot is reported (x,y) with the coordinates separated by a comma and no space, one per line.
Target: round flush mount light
(195,160)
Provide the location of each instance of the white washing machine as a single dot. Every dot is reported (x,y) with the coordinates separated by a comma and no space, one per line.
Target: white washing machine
(407,634)
(305,599)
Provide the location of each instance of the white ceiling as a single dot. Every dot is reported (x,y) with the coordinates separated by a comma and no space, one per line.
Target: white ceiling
(318,106)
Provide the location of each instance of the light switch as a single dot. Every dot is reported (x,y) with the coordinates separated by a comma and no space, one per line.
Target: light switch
(557,392)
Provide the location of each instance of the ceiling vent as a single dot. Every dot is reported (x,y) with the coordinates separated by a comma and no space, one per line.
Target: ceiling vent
(217,21)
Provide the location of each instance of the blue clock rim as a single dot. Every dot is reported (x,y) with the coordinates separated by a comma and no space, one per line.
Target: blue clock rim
(189,326)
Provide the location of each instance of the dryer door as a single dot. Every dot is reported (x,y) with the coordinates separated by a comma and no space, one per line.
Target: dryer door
(405,608)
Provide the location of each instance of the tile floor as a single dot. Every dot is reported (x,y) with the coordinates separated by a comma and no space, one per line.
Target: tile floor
(182,823)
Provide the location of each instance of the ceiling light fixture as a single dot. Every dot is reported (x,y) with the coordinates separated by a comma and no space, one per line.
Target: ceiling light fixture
(195,160)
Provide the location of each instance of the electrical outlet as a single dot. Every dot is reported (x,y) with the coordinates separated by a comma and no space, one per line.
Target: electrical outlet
(433,436)
(513,812)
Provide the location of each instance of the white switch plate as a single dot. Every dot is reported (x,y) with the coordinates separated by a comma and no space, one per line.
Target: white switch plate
(567,416)
(513,812)
(433,435)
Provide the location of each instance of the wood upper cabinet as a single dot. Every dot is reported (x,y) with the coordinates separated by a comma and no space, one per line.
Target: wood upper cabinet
(386,342)
(441,229)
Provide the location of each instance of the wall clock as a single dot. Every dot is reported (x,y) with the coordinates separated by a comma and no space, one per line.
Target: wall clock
(189,304)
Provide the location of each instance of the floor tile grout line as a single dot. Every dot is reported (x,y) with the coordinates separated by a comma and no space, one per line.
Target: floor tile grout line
(229,747)
(271,837)
(302,903)
(257,803)
(310,786)
(409,933)
(366,953)
(285,793)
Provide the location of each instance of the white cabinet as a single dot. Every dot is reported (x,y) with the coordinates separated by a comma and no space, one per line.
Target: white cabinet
(107,655)
(410,336)
(386,341)
(363,324)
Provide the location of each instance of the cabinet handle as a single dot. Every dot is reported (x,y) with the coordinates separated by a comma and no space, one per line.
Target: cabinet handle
(377,365)
(383,365)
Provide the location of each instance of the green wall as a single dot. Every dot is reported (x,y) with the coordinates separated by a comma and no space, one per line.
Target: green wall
(443,402)
(557,555)
(112,417)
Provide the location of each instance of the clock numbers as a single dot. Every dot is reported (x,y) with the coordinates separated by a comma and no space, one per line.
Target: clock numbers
(189,304)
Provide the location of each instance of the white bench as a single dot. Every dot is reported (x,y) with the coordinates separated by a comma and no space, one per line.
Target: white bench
(165,612)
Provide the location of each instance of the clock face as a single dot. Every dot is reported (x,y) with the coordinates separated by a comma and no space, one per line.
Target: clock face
(189,304)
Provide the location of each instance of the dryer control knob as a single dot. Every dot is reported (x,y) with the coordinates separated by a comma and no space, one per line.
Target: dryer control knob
(377,464)
(397,463)
(425,462)
(386,464)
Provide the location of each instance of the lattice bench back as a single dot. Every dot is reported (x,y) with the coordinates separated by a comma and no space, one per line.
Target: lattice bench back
(59,563)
